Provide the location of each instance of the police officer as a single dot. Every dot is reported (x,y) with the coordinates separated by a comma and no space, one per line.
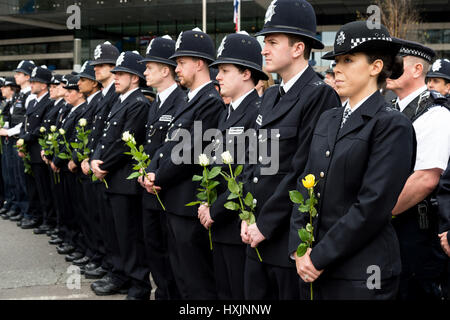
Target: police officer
(362,155)
(73,239)
(109,162)
(239,63)
(416,220)
(102,223)
(438,78)
(90,88)
(22,76)
(57,96)
(293,109)
(189,249)
(39,197)
(443,198)
(160,74)
(9,90)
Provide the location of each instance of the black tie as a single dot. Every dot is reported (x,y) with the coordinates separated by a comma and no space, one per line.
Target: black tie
(230,110)
(279,95)
(396,106)
(157,102)
(32,104)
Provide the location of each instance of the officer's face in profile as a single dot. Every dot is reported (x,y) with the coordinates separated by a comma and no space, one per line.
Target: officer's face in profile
(73,97)
(61,91)
(124,81)
(53,91)
(103,72)
(278,53)
(37,87)
(231,79)
(186,69)
(439,85)
(354,76)
(21,78)
(7,92)
(154,73)
(86,86)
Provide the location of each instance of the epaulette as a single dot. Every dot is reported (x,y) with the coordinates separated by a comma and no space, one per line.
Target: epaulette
(390,109)
(437,97)
(318,83)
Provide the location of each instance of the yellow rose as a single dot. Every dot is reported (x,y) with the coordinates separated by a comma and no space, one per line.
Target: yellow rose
(309,181)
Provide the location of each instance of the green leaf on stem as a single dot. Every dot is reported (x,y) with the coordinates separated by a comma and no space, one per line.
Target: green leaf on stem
(134,175)
(248,199)
(304,235)
(230,205)
(214,173)
(238,170)
(191,204)
(301,249)
(197,178)
(233,186)
(232,196)
(296,197)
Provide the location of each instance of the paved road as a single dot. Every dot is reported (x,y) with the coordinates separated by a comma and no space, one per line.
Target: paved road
(30,268)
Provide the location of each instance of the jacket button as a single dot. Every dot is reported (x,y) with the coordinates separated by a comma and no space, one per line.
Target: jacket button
(318,194)
(151,127)
(161,155)
(93,128)
(327,154)
(160,128)
(179,124)
(149,141)
(214,158)
(115,123)
(104,134)
(103,147)
(278,135)
(322,174)
(255,180)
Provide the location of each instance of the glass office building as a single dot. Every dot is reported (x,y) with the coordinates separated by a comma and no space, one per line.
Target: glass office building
(38,29)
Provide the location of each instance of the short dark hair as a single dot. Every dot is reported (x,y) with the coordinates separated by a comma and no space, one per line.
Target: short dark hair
(294,38)
(253,76)
(392,66)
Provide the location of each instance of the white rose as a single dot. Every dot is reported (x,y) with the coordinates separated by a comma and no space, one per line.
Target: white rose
(50,137)
(53,128)
(203,160)
(82,122)
(126,136)
(227,157)
(20,142)
(62,131)
(42,129)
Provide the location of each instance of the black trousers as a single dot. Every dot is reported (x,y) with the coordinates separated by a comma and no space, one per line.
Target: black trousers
(34,205)
(56,189)
(107,240)
(268,282)
(423,261)
(127,213)
(42,182)
(191,258)
(157,255)
(229,267)
(339,289)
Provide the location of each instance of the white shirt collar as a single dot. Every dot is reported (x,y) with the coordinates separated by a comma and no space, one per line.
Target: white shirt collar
(105,90)
(73,108)
(359,104)
(89,99)
(58,101)
(407,100)
(41,97)
(166,93)
(235,104)
(288,85)
(124,96)
(25,90)
(192,94)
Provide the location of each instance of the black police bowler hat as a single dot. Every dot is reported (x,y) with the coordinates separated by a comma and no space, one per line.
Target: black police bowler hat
(9,81)
(57,79)
(440,69)
(105,53)
(357,37)
(25,66)
(415,49)
(128,61)
(293,17)
(241,49)
(160,50)
(71,82)
(87,71)
(194,43)
(41,74)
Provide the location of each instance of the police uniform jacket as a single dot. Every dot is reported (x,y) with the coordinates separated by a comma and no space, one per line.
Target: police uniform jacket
(30,129)
(129,115)
(175,180)
(51,116)
(294,116)
(18,112)
(68,124)
(86,113)
(227,224)
(101,113)
(443,198)
(158,121)
(362,169)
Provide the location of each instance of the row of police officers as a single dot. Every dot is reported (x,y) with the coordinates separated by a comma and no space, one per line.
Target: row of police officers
(382,189)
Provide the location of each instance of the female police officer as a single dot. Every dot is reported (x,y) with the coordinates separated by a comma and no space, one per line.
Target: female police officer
(363,154)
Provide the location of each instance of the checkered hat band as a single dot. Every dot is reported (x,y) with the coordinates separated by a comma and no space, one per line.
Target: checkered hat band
(417,53)
(357,41)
